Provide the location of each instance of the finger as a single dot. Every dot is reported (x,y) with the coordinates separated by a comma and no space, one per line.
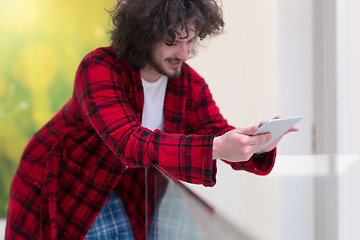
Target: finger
(247,131)
(260,139)
(262,123)
(293,129)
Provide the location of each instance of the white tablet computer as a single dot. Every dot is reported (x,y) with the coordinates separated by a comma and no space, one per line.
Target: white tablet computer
(276,127)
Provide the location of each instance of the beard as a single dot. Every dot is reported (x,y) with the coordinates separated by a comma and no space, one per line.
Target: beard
(160,68)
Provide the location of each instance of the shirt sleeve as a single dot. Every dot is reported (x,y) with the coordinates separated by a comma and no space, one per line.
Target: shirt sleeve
(104,103)
(261,164)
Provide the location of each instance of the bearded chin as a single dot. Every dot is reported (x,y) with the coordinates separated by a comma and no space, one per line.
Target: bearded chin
(174,73)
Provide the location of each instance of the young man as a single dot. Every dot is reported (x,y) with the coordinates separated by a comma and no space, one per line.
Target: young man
(135,104)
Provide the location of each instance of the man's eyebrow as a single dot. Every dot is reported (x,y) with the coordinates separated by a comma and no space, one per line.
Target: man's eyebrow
(187,40)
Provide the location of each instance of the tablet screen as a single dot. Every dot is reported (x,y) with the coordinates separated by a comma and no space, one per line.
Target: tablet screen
(276,127)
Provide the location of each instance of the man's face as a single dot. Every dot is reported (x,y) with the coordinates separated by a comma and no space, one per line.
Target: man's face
(168,60)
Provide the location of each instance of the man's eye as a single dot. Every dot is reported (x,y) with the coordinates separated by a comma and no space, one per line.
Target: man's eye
(191,40)
(170,44)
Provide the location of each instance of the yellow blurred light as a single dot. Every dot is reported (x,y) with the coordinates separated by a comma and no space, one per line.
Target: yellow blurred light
(2,87)
(20,16)
(36,66)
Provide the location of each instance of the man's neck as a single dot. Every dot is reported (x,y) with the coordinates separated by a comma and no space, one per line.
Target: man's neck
(149,74)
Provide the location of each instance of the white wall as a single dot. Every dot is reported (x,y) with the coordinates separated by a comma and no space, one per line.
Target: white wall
(295,29)
(336,71)
(349,32)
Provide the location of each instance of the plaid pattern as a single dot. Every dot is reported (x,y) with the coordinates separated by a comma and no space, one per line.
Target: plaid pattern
(72,164)
(112,223)
(171,218)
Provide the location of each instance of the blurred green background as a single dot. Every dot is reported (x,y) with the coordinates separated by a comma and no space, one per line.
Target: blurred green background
(41,45)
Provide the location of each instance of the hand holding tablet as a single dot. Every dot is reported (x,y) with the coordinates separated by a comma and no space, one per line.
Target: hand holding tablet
(276,127)
(239,144)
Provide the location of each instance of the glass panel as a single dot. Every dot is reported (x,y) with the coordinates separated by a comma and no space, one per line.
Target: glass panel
(175,212)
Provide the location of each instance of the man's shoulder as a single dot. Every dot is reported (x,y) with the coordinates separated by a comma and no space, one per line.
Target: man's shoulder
(101,54)
(104,57)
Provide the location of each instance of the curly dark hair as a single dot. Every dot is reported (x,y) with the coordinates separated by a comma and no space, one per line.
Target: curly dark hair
(140,24)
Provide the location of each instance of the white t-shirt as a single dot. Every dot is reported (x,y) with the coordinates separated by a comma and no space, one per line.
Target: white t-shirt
(154,95)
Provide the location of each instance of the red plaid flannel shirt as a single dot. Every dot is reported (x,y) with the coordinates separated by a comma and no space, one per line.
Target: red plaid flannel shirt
(72,164)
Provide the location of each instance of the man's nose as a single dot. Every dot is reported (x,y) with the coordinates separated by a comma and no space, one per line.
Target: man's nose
(183,52)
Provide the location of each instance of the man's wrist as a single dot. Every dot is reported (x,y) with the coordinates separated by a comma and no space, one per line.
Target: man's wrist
(216,150)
